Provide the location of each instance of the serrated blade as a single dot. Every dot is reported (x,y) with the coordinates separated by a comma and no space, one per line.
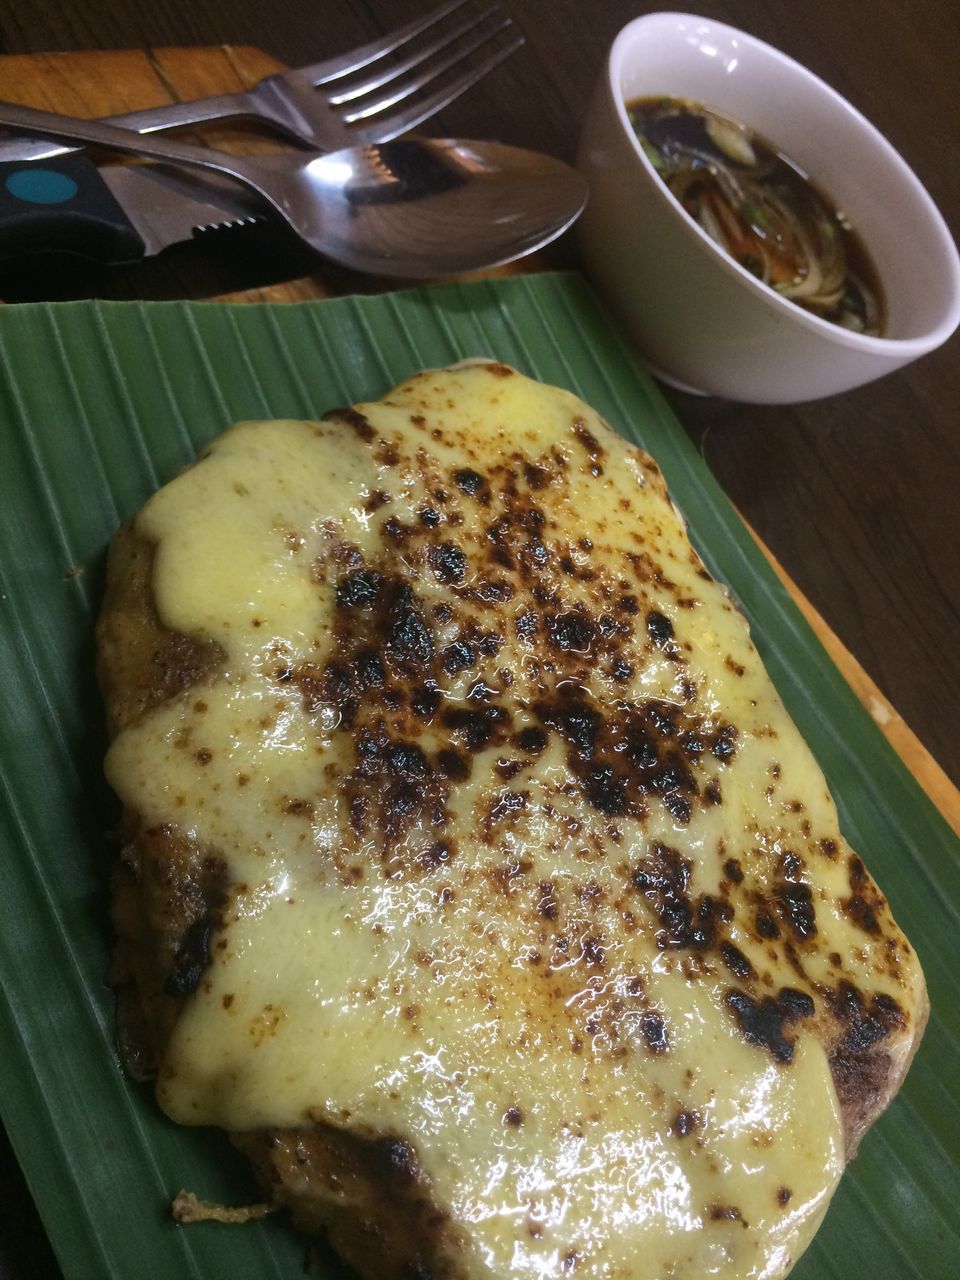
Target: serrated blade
(168,207)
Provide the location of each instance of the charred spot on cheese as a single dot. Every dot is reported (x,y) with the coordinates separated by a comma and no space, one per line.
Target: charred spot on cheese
(663,878)
(353,419)
(633,752)
(685,1123)
(571,630)
(654,1029)
(376,500)
(448,562)
(794,900)
(865,1024)
(453,765)
(765,924)
(492,860)
(408,642)
(864,904)
(736,961)
(763,1021)
(531,740)
(359,590)
(192,958)
(660,628)
(392,787)
(733,871)
(472,483)
(725,1213)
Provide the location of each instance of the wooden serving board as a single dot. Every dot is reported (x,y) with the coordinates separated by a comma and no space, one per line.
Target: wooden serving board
(106,83)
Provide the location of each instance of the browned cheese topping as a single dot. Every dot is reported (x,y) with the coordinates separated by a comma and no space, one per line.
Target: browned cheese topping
(521,861)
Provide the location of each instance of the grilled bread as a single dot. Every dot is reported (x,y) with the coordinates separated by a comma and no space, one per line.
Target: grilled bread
(474,876)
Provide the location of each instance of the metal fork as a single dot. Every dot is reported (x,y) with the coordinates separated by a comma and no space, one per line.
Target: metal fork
(366,95)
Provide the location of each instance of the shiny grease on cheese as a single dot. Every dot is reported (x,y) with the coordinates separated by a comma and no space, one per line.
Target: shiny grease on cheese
(516,836)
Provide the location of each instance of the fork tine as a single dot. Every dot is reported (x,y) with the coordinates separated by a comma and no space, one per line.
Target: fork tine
(333,68)
(393,70)
(384,131)
(427,77)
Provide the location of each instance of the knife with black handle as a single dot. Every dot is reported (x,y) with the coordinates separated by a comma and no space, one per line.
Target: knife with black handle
(114,214)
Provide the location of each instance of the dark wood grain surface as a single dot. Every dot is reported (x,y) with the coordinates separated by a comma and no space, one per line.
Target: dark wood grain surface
(857,495)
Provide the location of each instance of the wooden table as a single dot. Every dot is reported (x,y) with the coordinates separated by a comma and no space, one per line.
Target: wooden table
(856,496)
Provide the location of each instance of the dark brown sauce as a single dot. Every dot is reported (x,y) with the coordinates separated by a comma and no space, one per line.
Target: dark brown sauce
(763,210)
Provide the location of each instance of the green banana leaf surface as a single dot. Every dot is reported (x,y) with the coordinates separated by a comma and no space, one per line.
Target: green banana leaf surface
(101,403)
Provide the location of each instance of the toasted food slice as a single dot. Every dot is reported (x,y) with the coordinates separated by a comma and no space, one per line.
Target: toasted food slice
(476,879)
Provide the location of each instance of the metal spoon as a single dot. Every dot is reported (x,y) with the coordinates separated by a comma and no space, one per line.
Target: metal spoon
(412,208)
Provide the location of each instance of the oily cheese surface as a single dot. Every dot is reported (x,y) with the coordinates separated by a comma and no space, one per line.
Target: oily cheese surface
(525,865)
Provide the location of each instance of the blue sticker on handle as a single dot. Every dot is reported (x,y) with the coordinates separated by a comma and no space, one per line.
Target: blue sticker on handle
(41,186)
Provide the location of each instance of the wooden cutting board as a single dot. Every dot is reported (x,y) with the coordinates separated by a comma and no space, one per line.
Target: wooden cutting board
(106,83)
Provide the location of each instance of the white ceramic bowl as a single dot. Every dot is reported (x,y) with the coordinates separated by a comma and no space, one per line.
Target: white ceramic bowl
(701,321)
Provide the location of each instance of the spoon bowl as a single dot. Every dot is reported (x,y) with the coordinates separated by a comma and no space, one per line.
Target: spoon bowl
(413,208)
(425,207)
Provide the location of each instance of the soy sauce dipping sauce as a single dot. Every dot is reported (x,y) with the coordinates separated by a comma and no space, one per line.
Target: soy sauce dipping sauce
(762,210)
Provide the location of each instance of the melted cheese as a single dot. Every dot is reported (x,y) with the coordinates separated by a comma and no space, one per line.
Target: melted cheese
(527,865)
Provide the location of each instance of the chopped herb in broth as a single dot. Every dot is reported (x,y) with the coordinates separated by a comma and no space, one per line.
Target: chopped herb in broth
(761,209)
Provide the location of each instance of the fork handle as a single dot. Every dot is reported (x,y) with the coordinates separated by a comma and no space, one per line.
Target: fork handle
(150,120)
(154,147)
(50,124)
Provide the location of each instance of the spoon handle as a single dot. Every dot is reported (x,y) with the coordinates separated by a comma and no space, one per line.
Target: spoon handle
(49,124)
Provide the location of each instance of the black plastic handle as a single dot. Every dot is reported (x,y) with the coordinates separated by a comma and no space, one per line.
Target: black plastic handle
(62,205)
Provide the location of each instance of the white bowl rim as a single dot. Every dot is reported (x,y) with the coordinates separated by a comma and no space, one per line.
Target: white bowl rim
(900,347)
